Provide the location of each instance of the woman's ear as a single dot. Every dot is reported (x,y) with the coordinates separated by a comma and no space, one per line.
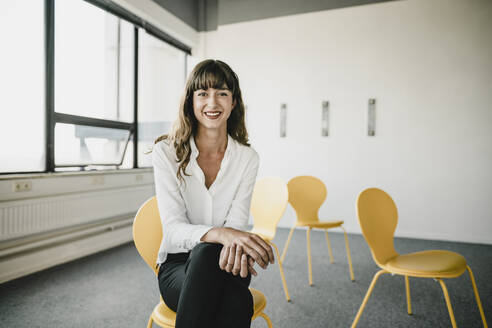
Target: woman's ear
(234,102)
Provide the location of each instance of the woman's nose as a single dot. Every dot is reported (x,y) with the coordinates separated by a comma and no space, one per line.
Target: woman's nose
(211,101)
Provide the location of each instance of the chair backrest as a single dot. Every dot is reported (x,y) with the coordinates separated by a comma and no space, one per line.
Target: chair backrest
(268,204)
(378,218)
(147,232)
(306,195)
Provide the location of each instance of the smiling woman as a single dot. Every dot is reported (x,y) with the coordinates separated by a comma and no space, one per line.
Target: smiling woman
(214,75)
(212,104)
(205,171)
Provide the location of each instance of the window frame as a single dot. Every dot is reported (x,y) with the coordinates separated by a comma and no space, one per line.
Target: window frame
(53,117)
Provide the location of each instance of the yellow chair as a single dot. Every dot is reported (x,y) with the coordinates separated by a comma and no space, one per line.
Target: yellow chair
(378,218)
(306,195)
(147,235)
(268,204)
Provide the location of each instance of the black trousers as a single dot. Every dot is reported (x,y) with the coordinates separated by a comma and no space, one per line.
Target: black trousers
(193,285)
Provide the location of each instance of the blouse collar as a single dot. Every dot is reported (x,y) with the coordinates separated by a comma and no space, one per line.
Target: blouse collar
(229,148)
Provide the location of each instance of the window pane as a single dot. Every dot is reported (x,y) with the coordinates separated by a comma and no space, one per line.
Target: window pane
(84,145)
(160,85)
(93,62)
(22,123)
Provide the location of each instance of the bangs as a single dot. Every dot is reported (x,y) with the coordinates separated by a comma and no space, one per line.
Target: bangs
(213,76)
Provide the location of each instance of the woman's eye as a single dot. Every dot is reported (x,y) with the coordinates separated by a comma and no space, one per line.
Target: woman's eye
(224,94)
(202,94)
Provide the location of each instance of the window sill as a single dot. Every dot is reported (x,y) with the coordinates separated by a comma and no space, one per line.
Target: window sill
(40,185)
(36,175)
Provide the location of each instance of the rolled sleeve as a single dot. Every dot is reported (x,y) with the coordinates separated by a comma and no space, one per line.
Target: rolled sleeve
(177,231)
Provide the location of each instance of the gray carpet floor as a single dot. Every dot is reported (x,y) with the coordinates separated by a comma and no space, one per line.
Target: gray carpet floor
(115,288)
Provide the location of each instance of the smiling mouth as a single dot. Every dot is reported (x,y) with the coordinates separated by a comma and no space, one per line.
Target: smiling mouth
(212,115)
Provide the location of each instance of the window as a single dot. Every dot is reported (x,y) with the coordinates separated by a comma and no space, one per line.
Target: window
(94,75)
(82,146)
(22,81)
(69,69)
(93,62)
(160,84)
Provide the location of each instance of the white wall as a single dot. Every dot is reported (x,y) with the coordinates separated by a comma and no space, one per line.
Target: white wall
(428,64)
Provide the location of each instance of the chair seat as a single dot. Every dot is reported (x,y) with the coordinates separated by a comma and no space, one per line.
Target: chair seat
(428,264)
(165,317)
(259,301)
(321,224)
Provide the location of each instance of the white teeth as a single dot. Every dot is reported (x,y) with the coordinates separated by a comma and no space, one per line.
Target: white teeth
(212,114)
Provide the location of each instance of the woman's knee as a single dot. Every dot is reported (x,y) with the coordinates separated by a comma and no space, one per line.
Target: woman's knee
(206,250)
(205,255)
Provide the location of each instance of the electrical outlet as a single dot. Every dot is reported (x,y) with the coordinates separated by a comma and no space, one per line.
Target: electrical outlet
(98,180)
(18,186)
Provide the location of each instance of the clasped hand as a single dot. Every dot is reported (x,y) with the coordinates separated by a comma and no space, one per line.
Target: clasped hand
(242,250)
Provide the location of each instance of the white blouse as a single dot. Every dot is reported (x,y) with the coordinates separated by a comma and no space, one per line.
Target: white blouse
(188,209)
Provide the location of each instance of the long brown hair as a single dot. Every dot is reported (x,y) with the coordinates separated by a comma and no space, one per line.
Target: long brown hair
(206,74)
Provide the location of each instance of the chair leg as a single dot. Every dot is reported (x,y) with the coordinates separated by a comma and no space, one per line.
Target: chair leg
(448,302)
(366,298)
(281,273)
(267,319)
(409,302)
(287,242)
(308,233)
(329,246)
(475,290)
(149,324)
(349,259)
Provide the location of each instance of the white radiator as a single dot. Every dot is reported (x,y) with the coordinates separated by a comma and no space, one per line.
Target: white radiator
(21,218)
(40,232)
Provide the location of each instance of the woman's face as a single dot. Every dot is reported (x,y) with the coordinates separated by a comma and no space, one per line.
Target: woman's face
(212,107)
